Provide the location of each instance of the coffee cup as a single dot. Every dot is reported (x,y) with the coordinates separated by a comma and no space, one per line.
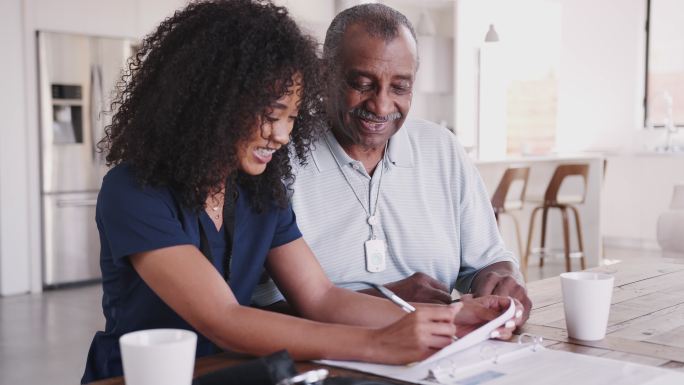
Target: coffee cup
(158,356)
(586,301)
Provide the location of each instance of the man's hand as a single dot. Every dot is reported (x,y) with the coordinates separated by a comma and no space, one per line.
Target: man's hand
(419,287)
(478,311)
(500,279)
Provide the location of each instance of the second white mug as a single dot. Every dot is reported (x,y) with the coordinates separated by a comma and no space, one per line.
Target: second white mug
(586,301)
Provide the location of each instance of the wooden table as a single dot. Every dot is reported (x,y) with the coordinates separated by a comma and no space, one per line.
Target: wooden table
(209,364)
(646,322)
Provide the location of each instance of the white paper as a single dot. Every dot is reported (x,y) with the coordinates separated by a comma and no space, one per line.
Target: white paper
(507,363)
(545,366)
(473,338)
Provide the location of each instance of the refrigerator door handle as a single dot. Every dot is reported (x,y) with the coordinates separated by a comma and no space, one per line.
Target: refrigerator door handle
(76,203)
(96,110)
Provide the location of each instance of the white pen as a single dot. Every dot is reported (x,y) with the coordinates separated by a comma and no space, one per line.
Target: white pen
(389,294)
(405,306)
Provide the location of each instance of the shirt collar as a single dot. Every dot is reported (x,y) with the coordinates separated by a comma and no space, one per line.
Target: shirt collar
(399,151)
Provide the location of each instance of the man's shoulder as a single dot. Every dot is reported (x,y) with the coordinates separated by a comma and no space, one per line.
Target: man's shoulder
(423,135)
(421,129)
(421,123)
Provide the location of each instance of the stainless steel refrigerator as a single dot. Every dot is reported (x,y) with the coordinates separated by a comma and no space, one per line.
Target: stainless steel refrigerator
(77,75)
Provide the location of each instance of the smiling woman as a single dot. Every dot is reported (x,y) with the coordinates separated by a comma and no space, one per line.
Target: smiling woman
(186,134)
(197,87)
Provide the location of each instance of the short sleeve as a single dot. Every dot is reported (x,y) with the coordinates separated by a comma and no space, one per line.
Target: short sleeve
(135,219)
(481,243)
(286,228)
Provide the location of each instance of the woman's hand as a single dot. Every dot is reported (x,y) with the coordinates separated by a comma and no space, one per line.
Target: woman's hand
(415,336)
(478,311)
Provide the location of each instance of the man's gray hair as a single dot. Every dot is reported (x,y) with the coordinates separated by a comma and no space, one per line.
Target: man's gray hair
(377,19)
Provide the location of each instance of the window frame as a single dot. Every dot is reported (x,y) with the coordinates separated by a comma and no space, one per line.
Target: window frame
(646,124)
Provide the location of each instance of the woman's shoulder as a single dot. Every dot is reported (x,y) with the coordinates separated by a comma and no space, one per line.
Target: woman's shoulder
(120,184)
(119,174)
(120,180)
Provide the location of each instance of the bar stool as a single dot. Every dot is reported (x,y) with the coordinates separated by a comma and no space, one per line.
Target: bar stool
(562,202)
(502,205)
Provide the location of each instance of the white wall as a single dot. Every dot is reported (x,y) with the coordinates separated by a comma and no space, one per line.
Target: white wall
(15,266)
(601,83)
(428,103)
(638,189)
(313,16)
(471,27)
(602,74)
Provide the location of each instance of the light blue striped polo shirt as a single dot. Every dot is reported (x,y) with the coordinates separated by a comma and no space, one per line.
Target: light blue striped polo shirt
(433,209)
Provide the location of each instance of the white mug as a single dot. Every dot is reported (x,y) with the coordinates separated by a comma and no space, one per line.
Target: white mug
(158,356)
(586,300)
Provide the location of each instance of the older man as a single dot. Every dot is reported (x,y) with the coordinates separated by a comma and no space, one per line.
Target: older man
(387,200)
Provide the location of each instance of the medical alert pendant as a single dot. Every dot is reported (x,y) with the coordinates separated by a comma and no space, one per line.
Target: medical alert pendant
(375,255)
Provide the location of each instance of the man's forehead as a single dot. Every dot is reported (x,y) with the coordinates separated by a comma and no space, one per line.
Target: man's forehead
(359,32)
(359,44)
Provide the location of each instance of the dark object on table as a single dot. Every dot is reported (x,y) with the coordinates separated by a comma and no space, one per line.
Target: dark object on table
(267,370)
(271,370)
(352,381)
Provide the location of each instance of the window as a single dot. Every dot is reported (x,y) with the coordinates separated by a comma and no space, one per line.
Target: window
(665,63)
(516,77)
(532,94)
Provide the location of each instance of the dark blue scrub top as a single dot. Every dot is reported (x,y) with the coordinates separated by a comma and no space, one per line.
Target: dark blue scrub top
(132,219)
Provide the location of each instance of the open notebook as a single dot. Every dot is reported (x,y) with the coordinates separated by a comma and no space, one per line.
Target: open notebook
(421,370)
(475,360)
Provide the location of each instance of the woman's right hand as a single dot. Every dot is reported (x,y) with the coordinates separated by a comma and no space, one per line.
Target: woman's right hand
(415,336)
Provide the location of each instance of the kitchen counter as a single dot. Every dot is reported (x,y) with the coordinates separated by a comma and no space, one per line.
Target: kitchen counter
(541,158)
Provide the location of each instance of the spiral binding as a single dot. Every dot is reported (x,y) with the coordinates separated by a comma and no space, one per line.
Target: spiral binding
(449,368)
(533,340)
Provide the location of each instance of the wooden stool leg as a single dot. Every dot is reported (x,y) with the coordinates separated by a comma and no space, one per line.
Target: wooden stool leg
(526,256)
(517,233)
(545,215)
(566,238)
(498,222)
(579,237)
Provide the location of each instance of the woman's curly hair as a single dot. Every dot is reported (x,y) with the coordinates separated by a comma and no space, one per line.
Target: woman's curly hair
(199,85)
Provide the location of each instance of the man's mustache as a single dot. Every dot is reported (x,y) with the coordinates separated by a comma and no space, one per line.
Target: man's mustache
(367,115)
